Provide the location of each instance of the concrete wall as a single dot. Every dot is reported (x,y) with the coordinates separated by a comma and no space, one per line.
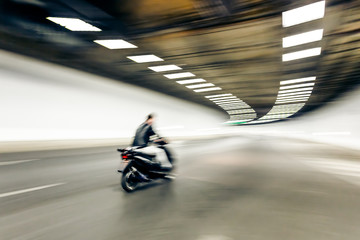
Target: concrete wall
(43,101)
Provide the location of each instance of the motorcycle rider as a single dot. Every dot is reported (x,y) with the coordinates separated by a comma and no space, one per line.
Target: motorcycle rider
(142,139)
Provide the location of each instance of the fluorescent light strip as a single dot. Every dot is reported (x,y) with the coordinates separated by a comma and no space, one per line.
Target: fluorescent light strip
(296,90)
(293,94)
(298,80)
(286,100)
(294,100)
(196,80)
(229,103)
(74,24)
(179,75)
(165,68)
(302,38)
(281,100)
(222,98)
(297,86)
(200,85)
(219,95)
(207,89)
(301,54)
(115,44)
(240,111)
(234,101)
(303,14)
(289,97)
(145,58)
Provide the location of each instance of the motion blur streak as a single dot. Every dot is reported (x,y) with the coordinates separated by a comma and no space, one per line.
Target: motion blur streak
(265,150)
(220,182)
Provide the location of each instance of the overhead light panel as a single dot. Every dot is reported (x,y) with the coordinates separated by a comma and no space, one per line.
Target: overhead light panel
(303,14)
(196,80)
(228,101)
(301,54)
(293,100)
(219,95)
(297,86)
(200,85)
(74,24)
(296,90)
(289,97)
(145,58)
(222,98)
(165,68)
(295,93)
(207,89)
(179,75)
(115,44)
(297,98)
(240,111)
(303,38)
(298,80)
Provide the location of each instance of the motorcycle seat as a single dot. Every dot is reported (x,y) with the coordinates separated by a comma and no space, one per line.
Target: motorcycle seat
(145,155)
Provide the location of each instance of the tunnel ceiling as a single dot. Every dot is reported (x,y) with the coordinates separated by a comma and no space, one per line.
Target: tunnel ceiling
(235,45)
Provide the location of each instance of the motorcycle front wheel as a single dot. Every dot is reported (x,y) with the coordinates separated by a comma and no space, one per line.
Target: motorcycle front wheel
(129,180)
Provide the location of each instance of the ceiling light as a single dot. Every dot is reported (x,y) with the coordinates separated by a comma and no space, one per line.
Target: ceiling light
(240,111)
(303,14)
(229,101)
(295,93)
(179,75)
(229,104)
(145,58)
(293,100)
(74,24)
(222,98)
(288,97)
(207,89)
(303,38)
(297,86)
(115,44)
(196,80)
(200,85)
(296,90)
(219,95)
(301,54)
(298,80)
(165,68)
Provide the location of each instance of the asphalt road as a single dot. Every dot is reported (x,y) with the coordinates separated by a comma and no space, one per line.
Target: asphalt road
(226,189)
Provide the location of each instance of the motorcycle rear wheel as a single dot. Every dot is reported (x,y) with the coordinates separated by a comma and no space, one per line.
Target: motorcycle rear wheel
(129,181)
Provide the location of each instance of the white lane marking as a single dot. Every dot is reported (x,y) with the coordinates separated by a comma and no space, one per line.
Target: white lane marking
(16,162)
(29,190)
(346,170)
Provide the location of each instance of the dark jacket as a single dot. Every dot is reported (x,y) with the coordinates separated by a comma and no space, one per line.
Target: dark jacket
(142,135)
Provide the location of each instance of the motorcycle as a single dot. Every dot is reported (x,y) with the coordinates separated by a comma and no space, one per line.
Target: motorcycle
(141,168)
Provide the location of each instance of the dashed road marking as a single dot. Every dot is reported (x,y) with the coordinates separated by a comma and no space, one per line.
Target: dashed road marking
(29,190)
(17,162)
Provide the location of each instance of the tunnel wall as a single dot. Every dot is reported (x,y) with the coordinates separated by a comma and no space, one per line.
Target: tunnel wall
(43,101)
(338,123)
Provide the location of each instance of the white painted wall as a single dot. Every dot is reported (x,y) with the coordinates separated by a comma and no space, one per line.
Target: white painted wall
(43,101)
